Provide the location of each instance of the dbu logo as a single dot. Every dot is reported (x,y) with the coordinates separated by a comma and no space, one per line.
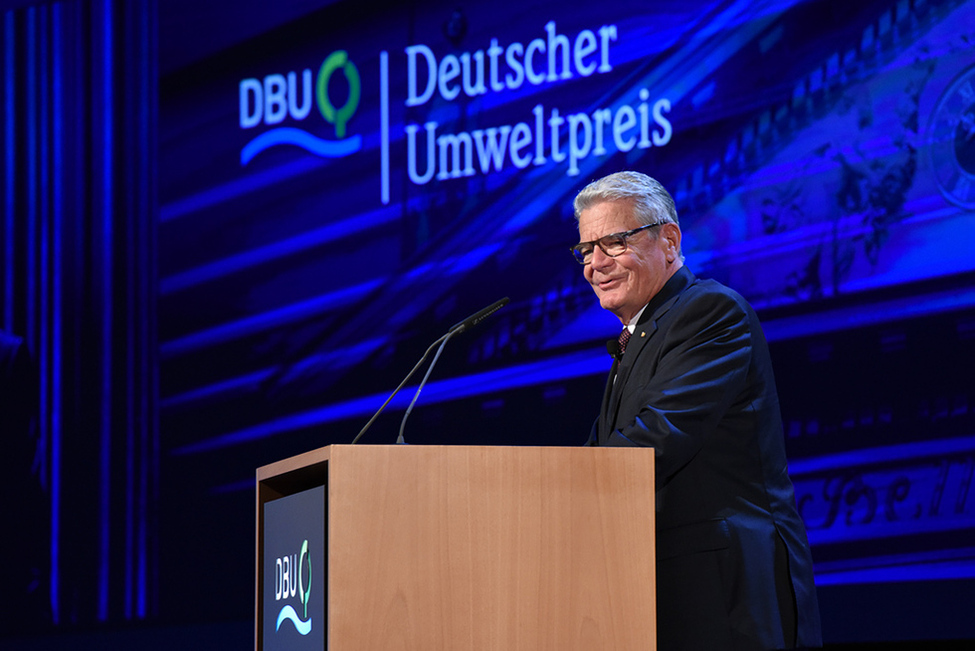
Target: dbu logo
(269,101)
(289,581)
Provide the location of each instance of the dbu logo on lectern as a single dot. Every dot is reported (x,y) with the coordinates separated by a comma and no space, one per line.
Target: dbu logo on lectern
(290,580)
(276,97)
(292,534)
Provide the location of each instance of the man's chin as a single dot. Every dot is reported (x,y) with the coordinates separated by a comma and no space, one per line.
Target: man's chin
(610,303)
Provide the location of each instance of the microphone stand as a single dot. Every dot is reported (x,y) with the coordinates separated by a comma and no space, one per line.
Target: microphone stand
(401,384)
(457,328)
(402,425)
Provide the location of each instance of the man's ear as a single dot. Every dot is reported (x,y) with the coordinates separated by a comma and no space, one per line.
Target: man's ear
(670,239)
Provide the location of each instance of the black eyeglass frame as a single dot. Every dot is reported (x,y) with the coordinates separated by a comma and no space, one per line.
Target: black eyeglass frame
(583,249)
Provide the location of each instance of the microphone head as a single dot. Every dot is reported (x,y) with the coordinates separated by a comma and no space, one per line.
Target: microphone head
(476,318)
(613,347)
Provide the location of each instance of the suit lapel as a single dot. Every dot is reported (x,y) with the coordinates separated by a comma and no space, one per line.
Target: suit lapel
(604,420)
(642,335)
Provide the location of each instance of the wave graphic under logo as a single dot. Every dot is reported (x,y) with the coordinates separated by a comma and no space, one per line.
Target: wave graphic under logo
(303,139)
(289,613)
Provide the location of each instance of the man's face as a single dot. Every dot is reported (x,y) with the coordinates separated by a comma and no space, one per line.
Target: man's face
(626,283)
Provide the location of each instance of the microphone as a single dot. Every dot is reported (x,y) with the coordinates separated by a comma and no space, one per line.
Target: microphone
(474,319)
(613,348)
(457,328)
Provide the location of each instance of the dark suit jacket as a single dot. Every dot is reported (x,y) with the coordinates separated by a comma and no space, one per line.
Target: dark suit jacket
(733,564)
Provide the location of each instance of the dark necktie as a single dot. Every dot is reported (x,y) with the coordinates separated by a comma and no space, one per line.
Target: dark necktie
(623,338)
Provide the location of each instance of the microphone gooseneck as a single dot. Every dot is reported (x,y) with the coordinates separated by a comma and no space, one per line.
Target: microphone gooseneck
(457,328)
(426,376)
(396,390)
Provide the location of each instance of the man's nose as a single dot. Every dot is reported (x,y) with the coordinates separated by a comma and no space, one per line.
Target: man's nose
(599,259)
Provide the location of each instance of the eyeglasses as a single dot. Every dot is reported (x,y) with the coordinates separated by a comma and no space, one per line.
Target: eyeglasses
(612,245)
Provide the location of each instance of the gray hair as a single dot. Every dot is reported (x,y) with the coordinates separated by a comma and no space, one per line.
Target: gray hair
(651,201)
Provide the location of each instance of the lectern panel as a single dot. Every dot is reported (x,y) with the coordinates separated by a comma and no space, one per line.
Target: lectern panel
(293,571)
(457,548)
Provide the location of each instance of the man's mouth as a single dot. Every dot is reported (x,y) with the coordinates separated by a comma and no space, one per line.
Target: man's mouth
(608,283)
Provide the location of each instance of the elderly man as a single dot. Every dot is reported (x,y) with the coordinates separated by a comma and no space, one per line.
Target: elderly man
(693,379)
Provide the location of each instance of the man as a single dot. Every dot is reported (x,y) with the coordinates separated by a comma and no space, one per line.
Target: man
(694,381)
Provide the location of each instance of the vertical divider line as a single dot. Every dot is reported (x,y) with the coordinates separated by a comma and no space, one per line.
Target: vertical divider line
(147,291)
(384,122)
(31,185)
(10,115)
(54,422)
(105,79)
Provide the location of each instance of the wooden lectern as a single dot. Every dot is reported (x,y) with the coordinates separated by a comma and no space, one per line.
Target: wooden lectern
(458,548)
